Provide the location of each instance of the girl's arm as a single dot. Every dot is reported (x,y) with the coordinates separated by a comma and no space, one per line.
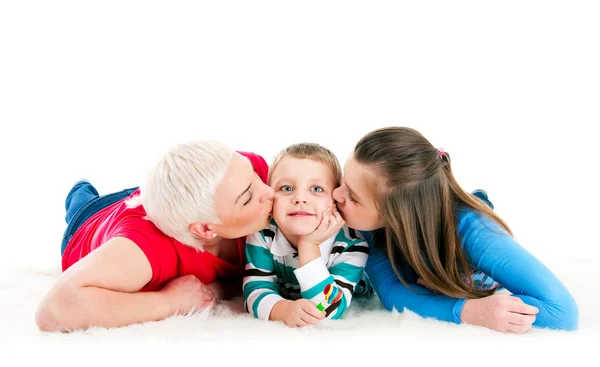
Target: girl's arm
(395,295)
(496,254)
(500,256)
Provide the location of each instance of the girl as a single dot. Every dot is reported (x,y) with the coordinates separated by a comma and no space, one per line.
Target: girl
(437,250)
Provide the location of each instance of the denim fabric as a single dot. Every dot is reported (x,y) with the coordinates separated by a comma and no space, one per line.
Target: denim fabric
(82,202)
(482,195)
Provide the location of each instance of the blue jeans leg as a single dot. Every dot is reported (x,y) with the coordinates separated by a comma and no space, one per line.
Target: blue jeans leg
(81,193)
(482,195)
(82,202)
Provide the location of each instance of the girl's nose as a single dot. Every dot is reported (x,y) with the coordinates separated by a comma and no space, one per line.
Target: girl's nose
(338,194)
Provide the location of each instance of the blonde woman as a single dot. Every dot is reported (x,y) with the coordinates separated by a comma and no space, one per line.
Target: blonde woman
(175,245)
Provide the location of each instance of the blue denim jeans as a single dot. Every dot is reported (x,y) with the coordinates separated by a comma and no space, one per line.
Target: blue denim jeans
(482,195)
(82,202)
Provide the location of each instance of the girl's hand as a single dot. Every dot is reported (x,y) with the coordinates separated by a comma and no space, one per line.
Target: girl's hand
(500,312)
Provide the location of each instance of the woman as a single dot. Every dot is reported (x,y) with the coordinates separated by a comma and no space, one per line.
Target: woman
(437,250)
(175,245)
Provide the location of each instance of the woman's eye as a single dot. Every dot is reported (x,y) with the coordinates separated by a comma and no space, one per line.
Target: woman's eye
(352,199)
(286,188)
(249,199)
(317,189)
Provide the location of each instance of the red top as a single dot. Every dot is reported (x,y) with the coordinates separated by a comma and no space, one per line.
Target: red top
(168,257)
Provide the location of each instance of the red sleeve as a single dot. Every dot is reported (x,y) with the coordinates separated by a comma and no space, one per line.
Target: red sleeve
(158,250)
(260,165)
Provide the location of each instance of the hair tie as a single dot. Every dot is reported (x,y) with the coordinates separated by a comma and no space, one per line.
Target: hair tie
(441,152)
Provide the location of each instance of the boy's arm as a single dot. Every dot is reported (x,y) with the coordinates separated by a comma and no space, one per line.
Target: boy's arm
(102,289)
(260,286)
(343,275)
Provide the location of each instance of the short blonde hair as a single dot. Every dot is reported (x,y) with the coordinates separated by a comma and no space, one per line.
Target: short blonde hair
(180,189)
(312,151)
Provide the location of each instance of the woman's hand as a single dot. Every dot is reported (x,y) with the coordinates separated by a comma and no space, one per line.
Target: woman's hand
(188,294)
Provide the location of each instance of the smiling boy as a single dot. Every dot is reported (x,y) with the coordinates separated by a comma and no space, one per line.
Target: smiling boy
(306,256)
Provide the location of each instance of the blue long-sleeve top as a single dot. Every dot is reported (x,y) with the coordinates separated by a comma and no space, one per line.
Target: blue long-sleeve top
(492,252)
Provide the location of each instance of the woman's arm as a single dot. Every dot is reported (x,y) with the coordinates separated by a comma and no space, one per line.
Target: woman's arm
(102,290)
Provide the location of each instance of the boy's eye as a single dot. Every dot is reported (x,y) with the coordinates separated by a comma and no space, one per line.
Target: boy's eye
(317,189)
(286,188)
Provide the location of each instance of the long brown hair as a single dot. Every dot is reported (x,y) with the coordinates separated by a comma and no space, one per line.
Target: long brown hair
(417,196)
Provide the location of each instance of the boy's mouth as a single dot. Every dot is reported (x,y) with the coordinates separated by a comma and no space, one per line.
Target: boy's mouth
(300,214)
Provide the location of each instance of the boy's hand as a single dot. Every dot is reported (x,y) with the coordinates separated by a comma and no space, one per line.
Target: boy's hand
(331,223)
(298,313)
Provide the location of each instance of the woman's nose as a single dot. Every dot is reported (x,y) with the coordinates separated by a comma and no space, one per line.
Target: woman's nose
(267,194)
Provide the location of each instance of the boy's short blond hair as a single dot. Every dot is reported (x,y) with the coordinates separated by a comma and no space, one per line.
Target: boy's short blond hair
(312,151)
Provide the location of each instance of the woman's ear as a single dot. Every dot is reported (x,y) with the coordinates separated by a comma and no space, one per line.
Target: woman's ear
(204,231)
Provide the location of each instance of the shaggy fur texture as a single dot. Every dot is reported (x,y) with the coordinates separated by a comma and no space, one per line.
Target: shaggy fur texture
(365,331)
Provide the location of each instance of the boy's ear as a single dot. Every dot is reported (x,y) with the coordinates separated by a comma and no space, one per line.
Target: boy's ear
(204,231)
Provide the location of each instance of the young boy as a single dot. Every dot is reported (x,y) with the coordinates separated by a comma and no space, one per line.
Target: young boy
(305,265)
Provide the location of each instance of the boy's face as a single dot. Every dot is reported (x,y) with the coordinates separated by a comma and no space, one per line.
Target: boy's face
(303,190)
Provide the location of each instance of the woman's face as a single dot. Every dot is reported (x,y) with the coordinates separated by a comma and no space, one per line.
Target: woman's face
(243,202)
(354,199)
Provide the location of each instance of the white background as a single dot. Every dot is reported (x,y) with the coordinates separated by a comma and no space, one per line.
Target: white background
(511,89)
(98,90)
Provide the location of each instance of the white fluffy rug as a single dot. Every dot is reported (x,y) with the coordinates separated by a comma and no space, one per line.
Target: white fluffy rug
(367,331)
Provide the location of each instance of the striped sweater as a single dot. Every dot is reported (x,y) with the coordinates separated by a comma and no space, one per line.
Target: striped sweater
(272,272)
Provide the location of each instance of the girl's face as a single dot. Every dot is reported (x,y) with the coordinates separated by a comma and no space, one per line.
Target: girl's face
(354,197)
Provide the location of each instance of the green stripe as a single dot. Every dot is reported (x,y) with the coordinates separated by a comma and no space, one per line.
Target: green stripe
(285,273)
(351,272)
(257,302)
(259,284)
(259,257)
(318,288)
(341,237)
